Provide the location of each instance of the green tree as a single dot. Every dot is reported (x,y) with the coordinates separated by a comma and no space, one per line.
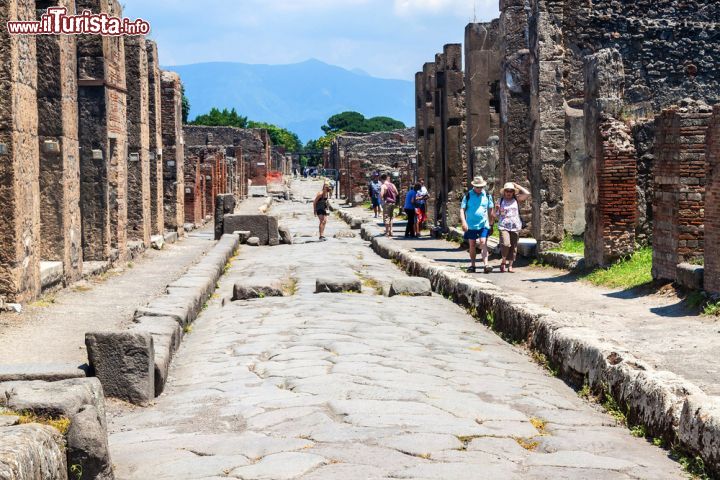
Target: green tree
(357,123)
(185,105)
(221,118)
(279,136)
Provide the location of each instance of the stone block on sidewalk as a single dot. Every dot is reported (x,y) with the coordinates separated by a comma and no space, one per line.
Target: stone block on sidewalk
(167,336)
(157,242)
(253,242)
(337,285)
(87,445)
(411,287)
(32,452)
(124,362)
(44,372)
(243,235)
(691,276)
(285,235)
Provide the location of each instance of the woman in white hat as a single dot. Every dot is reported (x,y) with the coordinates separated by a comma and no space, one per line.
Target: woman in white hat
(509,224)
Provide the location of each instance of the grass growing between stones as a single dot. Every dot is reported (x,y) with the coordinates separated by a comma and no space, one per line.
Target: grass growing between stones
(61,424)
(571,244)
(527,444)
(44,302)
(632,272)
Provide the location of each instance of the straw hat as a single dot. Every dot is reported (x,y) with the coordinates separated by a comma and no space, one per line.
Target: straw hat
(510,186)
(479,182)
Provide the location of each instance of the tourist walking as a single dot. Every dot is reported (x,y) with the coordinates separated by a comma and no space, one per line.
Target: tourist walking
(421,207)
(374,188)
(388,196)
(321,207)
(509,223)
(477,215)
(409,207)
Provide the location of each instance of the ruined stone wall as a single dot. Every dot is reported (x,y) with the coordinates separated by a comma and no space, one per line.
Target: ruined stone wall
(193,190)
(643,132)
(103,139)
(712,205)
(19,163)
(60,222)
(173,152)
(138,128)
(482,83)
(679,203)
(515,133)
(430,130)
(155,135)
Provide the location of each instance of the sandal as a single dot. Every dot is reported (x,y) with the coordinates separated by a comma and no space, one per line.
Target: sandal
(488,269)
(471,270)
(510,269)
(502,268)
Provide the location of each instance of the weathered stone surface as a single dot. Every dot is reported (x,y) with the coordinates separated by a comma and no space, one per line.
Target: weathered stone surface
(264,227)
(87,443)
(46,373)
(244,236)
(157,242)
(690,276)
(337,285)
(173,152)
(124,362)
(253,242)
(411,286)
(565,261)
(155,145)
(285,235)
(32,452)
(254,288)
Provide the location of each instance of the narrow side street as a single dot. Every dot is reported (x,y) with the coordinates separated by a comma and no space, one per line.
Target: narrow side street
(360,386)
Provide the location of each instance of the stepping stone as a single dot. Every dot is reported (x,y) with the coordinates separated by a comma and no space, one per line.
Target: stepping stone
(338,285)
(411,287)
(247,289)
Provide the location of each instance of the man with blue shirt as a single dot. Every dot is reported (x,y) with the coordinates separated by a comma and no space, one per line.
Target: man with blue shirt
(476,213)
(410,211)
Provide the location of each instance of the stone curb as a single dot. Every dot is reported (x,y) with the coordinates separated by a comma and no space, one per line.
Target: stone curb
(164,319)
(564,261)
(666,404)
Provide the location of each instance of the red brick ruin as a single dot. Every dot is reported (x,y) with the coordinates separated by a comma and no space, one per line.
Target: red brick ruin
(94,160)
(712,205)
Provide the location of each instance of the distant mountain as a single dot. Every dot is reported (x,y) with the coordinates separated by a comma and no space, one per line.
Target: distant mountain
(299,97)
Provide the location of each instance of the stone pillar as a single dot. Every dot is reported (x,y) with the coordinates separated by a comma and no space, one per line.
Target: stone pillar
(678,209)
(429,126)
(60,225)
(482,77)
(712,205)
(20,247)
(419,127)
(515,131)
(173,152)
(155,128)
(455,162)
(193,193)
(438,192)
(103,138)
(138,113)
(611,170)
(547,119)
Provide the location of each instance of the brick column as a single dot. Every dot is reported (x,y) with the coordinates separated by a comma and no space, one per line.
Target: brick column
(429,126)
(678,208)
(611,171)
(155,128)
(515,131)
(547,117)
(193,193)
(138,118)
(419,127)
(173,152)
(482,75)
(19,158)
(103,139)
(712,205)
(60,223)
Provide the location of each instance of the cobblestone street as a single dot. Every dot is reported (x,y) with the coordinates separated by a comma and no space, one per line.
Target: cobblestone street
(360,386)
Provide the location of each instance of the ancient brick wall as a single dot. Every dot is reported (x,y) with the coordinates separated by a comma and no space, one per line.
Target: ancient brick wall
(138,118)
(155,135)
(193,191)
(60,222)
(643,132)
(103,139)
(482,83)
(678,208)
(712,205)
(19,188)
(173,152)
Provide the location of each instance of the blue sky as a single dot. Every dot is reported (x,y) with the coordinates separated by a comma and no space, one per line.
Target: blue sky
(385,38)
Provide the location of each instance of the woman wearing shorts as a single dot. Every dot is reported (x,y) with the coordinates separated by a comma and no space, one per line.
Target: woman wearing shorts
(320,207)
(508,211)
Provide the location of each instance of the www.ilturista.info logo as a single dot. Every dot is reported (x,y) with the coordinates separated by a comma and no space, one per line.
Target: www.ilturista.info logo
(56,21)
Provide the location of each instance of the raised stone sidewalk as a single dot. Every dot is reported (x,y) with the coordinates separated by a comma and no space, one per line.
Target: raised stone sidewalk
(668,405)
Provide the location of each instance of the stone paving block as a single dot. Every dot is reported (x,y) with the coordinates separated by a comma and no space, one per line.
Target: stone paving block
(285,235)
(205,284)
(337,285)
(254,241)
(44,372)
(264,227)
(125,364)
(32,452)
(88,445)
(411,287)
(280,466)
(162,326)
(166,307)
(255,288)
(243,235)
(690,276)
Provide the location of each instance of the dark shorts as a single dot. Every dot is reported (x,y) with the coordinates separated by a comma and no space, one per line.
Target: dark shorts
(476,234)
(321,213)
(375,202)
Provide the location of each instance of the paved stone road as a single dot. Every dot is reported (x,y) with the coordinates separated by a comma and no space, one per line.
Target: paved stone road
(656,329)
(359,386)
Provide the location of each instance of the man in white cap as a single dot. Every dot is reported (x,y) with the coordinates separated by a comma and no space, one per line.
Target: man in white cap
(476,213)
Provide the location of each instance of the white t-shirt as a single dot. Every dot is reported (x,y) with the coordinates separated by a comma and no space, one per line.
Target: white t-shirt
(509,215)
